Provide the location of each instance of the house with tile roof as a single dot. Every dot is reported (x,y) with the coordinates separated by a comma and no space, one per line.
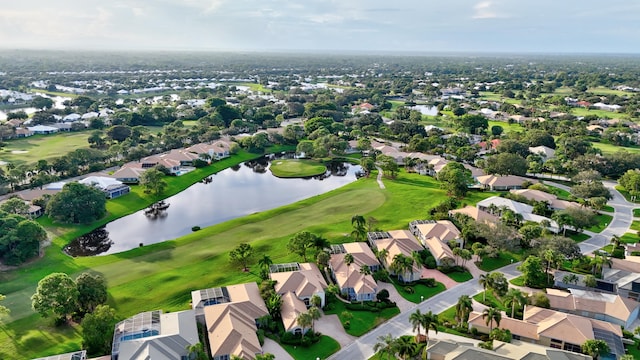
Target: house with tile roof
(555,329)
(397,242)
(230,314)
(537,195)
(352,283)
(112,188)
(545,152)
(476,214)
(503,183)
(154,335)
(596,305)
(515,350)
(302,279)
(129,173)
(496,204)
(436,235)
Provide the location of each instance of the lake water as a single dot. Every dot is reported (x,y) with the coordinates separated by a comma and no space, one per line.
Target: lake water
(426,110)
(232,193)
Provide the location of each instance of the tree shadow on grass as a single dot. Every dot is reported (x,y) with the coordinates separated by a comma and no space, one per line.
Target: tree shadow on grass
(150,253)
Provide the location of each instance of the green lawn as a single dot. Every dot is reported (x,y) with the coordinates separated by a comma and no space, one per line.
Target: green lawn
(610,148)
(295,168)
(636,212)
(577,237)
(320,350)
(161,276)
(626,195)
(53,93)
(506,126)
(608,208)
(503,259)
(560,193)
(579,111)
(43,147)
(630,238)
(490,300)
(492,96)
(601,90)
(420,291)
(460,276)
(603,221)
(362,321)
(519,281)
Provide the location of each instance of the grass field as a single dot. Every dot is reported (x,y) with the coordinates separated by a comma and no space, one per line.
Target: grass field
(460,276)
(508,128)
(636,212)
(362,321)
(30,150)
(320,350)
(420,291)
(53,93)
(610,148)
(294,168)
(603,221)
(601,90)
(503,259)
(492,96)
(579,111)
(161,276)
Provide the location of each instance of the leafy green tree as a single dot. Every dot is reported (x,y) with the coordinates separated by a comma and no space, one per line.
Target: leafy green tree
(265,356)
(581,218)
(497,130)
(153,181)
(455,179)
(242,255)
(77,204)
(630,181)
(595,348)
(119,133)
(20,238)
(300,243)
(533,272)
(15,205)
(56,294)
(388,165)
(4,311)
(473,124)
(92,291)
(97,330)
(506,164)
(540,299)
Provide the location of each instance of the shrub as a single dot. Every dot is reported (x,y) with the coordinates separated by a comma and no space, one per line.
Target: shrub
(408,289)
(260,333)
(383,295)
(627,334)
(429,282)
(195,228)
(618,253)
(430,263)
(474,331)
(347,325)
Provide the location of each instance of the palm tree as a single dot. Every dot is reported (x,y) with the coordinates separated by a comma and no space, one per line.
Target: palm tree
(319,243)
(490,315)
(485,281)
(430,321)
(315,314)
(364,271)
(401,265)
(464,307)
(382,255)
(513,298)
(316,301)
(416,319)
(196,352)
(348,260)
(457,252)
(358,221)
(304,320)
(264,263)
(274,304)
(615,241)
(405,347)
(570,279)
(552,259)
(386,345)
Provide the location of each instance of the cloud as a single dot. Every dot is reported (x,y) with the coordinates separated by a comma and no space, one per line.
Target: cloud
(486,10)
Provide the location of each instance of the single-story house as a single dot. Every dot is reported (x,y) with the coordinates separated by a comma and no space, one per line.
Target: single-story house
(291,307)
(537,195)
(74,355)
(503,183)
(514,350)
(625,283)
(302,279)
(42,130)
(156,160)
(352,283)
(22,132)
(436,235)
(595,305)
(476,214)
(111,187)
(154,335)
(555,329)
(495,204)
(216,150)
(397,242)
(545,152)
(129,173)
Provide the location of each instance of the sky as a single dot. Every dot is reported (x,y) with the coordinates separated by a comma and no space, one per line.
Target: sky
(369,26)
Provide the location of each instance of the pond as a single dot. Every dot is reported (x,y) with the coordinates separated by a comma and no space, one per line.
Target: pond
(426,110)
(235,192)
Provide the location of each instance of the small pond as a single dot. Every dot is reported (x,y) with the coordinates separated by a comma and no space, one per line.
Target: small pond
(235,192)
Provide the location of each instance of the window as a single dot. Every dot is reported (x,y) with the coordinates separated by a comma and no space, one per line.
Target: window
(572,347)
(556,344)
(515,337)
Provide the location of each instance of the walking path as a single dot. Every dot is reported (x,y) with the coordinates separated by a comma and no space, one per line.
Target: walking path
(379,178)
(400,325)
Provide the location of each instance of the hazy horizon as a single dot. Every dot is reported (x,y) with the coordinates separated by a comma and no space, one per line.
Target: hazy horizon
(321,26)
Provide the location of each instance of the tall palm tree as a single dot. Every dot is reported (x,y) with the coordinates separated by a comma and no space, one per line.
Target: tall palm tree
(464,307)
(485,281)
(315,314)
(386,345)
(416,319)
(490,315)
(401,265)
(430,322)
(265,261)
(615,241)
(405,347)
(364,271)
(319,243)
(304,320)
(513,298)
(358,221)
(348,260)
(382,255)
(552,259)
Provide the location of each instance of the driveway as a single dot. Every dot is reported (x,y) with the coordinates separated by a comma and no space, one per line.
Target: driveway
(330,325)
(433,273)
(274,348)
(402,303)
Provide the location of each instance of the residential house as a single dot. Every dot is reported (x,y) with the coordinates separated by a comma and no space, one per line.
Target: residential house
(74,117)
(436,235)
(503,183)
(554,329)
(33,211)
(515,350)
(216,150)
(155,160)
(22,132)
(154,335)
(352,283)
(625,283)
(489,146)
(497,204)
(302,279)
(42,130)
(476,214)
(595,305)
(537,195)
(74,355)
(230,315)
(545,152)
(129,173)
(289,310)
(397,242)
(607,107)
(111,187)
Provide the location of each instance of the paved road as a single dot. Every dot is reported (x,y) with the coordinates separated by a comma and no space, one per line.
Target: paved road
(400,325)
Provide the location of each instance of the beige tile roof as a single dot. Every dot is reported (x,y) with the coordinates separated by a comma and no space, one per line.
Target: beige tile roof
(291,308)
(438,249)
(510,180)
(129,171)
(595,302)
(517,327)
(231,326)
(537,195)
(31,195)
(349,276)
(400,242)
(476,214)
(304,283)
(444,230)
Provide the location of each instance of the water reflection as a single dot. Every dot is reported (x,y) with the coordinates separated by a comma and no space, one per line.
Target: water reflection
(231,193)
(93,243)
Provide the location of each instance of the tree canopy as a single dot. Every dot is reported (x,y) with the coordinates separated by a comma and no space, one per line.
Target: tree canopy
(77,204)
(56,294)
(20,238)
